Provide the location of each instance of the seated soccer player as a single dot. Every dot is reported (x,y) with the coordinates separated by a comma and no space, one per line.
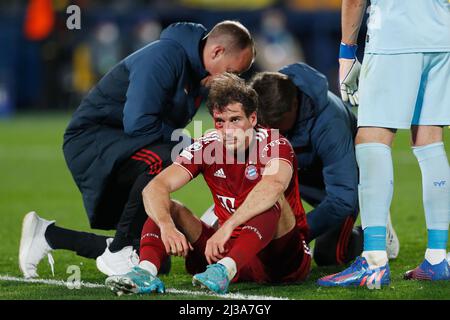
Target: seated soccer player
(321,129)
(252,174)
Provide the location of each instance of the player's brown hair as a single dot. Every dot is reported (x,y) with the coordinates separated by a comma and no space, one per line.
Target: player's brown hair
(277,94)
(234,34)
(227,89)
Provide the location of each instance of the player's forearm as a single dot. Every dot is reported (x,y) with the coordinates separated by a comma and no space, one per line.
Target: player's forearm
(264,196)
(158,208)
(352,16)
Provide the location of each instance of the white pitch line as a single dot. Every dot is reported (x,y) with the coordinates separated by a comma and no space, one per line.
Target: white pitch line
(61,283)
(51,282)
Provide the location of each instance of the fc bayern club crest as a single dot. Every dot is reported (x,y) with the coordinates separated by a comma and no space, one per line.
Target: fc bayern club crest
(251,173)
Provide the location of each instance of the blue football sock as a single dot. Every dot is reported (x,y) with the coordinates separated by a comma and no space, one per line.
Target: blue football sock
(437,239)
(375,189)
(436,192)
(375,239)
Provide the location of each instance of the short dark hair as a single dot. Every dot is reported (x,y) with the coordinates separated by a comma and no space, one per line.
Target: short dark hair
(276,96)
(238,35)
(227,89)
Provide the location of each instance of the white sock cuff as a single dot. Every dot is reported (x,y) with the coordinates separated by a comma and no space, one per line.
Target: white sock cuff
(230,265)
(435,256)
(148,266)
(376,258)
(361,146)
(429,151)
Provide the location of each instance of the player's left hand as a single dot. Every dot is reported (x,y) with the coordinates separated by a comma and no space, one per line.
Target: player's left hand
(215,246)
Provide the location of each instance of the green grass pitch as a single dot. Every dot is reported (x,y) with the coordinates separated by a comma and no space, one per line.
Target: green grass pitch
(33,176)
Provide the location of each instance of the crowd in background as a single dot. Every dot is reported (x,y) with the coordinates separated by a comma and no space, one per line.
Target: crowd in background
(53,67)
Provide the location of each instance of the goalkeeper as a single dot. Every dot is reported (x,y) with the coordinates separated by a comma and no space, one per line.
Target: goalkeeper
(404,85)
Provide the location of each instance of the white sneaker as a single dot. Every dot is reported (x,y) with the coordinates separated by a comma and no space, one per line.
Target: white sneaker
(33,245)
(117,263)
(392,242)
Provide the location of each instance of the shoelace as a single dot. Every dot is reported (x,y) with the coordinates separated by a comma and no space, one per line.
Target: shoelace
(51,262)
(133,259)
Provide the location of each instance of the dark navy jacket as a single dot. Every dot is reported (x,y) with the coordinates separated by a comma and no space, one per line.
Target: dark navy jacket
(139,101)
(323,141)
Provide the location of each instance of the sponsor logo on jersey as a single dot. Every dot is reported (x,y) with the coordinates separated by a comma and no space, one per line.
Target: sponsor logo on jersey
(228,203)
(251,172)
(220,174)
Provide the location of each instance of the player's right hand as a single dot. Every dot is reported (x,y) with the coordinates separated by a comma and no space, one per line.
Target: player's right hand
(349,70)
(175,242)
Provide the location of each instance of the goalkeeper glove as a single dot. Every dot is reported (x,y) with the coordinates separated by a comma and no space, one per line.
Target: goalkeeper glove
(349,69)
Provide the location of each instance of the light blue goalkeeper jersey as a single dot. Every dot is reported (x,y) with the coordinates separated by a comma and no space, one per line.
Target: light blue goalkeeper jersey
(406,26)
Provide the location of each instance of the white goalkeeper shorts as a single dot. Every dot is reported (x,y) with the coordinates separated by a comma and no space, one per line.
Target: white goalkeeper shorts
(400,90)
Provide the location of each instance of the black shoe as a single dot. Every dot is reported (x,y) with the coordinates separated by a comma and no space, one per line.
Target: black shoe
(355,245)
(166,266)
(338,246)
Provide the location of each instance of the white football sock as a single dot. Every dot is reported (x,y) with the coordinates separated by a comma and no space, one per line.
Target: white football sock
(230,265)
(376,258)
(148,266)
(435,256)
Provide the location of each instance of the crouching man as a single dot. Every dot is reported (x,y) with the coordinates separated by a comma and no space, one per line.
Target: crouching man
(252,174)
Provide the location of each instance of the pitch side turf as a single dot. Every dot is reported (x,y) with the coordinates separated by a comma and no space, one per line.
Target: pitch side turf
(33,176)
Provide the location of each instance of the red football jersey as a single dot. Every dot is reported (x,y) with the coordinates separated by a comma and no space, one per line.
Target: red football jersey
(231,178)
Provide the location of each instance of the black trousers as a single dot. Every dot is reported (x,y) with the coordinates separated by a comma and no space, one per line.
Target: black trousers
(134,175)
(125,186)
(342,243)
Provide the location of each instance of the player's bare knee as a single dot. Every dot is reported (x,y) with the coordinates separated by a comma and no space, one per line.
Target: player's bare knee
(425,135)
(179,212)
(176,208)
(375,135)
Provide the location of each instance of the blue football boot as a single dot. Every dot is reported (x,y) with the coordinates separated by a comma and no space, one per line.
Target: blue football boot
(358,275)
(428,271)
(137,281)
(215,278)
